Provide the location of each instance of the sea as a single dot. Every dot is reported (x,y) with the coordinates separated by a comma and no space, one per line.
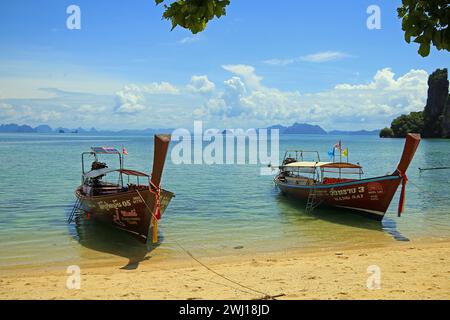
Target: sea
(219,210)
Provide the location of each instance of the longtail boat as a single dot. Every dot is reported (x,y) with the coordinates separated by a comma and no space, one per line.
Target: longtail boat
(334,184)
(135,205)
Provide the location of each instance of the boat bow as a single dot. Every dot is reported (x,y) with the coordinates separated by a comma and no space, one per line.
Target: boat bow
(411,145)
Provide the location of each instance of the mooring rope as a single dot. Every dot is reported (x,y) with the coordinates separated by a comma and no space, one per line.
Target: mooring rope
(431,194)
(266,296)
(150,210)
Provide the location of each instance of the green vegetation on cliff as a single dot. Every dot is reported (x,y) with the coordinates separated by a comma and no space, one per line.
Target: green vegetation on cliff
(386,133)
(411,123)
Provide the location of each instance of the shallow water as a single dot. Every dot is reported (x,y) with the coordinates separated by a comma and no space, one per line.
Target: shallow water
(218,209)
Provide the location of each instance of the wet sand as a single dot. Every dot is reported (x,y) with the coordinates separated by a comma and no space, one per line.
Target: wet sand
(410,270)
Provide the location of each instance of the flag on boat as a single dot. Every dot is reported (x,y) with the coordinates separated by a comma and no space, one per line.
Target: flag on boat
(345,152)
(124,151)
(331,153)
(338,145)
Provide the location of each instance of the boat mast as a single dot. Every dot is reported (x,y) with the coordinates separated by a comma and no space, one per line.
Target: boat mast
(121,168)
(340,157)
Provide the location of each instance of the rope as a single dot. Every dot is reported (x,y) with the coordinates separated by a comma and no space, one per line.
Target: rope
(405,180)
(265,295)
(214,282)
(150,210)
(431,194)
(434,168)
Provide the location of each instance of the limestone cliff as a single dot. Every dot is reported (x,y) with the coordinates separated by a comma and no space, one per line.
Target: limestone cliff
(446,120)
(433,113)
(434,120)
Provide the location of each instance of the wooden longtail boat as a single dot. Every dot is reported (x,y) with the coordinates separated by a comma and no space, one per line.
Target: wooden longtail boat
(311,181)
(132,207)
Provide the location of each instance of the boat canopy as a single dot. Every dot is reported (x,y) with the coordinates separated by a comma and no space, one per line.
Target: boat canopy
(311,164)
(105,150)
(306,164)
(342,165)
(100,172)
(129,172)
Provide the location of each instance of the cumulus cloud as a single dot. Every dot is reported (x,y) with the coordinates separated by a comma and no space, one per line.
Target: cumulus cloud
(132,98)
(158,88)
(345,105)
(201,84)
(7,111)
(129,101)
(246,72)
(242,100)
(27,114)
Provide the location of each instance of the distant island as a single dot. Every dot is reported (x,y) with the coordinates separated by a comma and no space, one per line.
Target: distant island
(296,128)
(434,120)
(304,128)
(15,128)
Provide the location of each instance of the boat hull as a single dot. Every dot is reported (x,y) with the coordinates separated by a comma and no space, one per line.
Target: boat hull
(368,197)
(124,210)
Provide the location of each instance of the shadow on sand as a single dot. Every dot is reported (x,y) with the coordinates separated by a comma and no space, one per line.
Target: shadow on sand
(99,237)
(340,216)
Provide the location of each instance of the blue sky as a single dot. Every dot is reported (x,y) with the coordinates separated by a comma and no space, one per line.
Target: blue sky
(262,64)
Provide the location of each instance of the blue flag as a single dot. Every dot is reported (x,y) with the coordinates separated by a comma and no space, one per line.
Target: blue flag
(331,153)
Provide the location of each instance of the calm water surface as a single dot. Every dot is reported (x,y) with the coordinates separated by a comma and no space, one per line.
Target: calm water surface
(218,209)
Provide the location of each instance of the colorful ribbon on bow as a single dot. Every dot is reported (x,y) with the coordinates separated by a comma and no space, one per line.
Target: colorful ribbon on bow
(401,204)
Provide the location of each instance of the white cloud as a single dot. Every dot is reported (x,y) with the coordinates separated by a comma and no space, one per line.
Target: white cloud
(384,79)
(132,98)
(7,111)
(343,107)
(158,88)
(246,72)
(280,62)
(325,56)
(240,101)
(201,84)
(188,40)
(129,101)
(26,114)
(315,57)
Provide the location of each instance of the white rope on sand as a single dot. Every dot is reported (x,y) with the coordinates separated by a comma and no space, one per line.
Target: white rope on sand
(266,296)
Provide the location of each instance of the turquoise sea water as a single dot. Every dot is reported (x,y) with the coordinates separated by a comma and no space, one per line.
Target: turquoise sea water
(218,209)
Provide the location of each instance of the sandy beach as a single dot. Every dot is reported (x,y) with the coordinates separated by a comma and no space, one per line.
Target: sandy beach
(410,270)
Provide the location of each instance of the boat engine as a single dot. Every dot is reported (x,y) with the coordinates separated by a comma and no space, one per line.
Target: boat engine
(289,160)
(98,165)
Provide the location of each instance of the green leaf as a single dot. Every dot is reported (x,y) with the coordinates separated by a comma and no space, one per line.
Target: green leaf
(424,49)
(408,36)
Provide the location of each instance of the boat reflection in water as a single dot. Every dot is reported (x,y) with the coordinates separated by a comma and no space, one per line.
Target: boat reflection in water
(96,236)
(295,209)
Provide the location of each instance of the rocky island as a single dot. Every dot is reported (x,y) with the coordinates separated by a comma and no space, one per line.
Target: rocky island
(434,120)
